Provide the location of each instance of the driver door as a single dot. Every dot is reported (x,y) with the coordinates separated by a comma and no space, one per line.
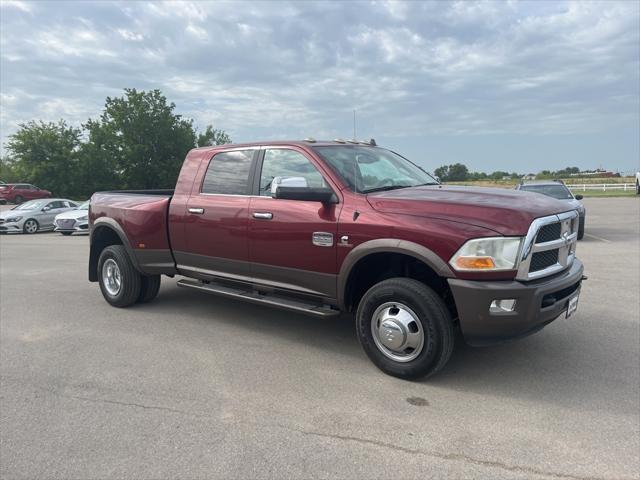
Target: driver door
(292,243)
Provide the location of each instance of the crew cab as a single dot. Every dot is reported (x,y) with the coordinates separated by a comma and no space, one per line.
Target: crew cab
(328,227)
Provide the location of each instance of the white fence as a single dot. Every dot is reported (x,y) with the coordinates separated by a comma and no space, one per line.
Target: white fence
(602,186)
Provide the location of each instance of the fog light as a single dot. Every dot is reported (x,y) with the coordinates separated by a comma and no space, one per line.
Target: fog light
(503,305)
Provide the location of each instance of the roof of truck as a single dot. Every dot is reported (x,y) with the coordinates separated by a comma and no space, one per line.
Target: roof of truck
(297,143)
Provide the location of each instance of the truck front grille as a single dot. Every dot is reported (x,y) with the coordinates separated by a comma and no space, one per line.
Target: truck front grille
(542,260)
(549,232)
(549,246)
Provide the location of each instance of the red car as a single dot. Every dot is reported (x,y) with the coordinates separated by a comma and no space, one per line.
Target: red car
(329,227)
(21,192)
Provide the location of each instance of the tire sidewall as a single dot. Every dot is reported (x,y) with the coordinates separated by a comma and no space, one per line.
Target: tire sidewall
(389,291)
(24,227)
(130,278)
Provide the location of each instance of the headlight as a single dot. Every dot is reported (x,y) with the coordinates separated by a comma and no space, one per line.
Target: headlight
(487,254)
(13,219)
(82,218)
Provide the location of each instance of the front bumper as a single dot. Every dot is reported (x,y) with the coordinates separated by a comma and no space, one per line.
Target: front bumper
(538,303)
(11,227)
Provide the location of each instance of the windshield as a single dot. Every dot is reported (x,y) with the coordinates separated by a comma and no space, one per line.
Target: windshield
(369,169)
(32,205)
(556,191)
(84,206)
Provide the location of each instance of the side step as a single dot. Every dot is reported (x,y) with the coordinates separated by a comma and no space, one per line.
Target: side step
(252,296)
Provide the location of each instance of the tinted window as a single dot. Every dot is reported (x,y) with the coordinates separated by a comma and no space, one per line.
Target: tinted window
(287,164)
(22,187)
(57,204)
(556,191)
(228,173)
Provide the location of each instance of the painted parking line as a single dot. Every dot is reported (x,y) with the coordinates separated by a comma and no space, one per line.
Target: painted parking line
(597,238)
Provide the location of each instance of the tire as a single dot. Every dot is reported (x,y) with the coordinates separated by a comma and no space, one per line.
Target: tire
(18,200)
(428,314)
(581,228)
(149,288)
(637,188)
(66,234)
(122,287)
(30,226)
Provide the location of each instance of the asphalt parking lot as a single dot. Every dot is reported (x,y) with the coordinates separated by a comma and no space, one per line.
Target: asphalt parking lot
(194,386)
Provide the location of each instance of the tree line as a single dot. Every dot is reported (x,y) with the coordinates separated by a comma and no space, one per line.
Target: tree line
(459,172)
(138,142)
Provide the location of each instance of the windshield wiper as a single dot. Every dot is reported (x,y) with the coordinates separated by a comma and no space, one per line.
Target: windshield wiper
(386,188)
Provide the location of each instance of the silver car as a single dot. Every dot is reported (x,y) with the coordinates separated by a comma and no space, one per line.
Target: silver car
(34,215)
(73,221)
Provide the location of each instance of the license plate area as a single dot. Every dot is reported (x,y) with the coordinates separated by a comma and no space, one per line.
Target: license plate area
(572,305)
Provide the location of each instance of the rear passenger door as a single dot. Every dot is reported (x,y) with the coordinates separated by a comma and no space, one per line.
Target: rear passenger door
(217,218)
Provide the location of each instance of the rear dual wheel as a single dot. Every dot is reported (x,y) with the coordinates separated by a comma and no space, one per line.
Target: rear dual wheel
(405,328)
(121,284)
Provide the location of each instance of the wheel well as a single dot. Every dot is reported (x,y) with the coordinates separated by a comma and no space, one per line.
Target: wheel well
(376,267)
(101,238)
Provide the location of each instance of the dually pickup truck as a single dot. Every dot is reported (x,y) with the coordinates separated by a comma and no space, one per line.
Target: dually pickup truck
(328,227)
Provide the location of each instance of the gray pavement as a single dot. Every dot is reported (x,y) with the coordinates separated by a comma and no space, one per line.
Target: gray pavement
(194,386)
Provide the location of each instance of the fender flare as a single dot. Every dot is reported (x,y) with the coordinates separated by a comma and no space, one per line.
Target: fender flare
(111,224)
(388,245)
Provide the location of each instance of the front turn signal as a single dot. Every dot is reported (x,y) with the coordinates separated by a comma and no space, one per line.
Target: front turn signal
(475,263)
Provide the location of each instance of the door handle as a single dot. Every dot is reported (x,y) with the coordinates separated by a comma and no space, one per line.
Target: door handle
(198,211)
(263,215)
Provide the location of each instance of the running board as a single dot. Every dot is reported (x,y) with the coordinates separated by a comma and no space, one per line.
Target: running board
(252,296)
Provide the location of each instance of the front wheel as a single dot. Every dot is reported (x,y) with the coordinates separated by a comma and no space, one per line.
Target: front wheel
(581,228)
(405,328)
(637,188)
(119,280)
(30,226)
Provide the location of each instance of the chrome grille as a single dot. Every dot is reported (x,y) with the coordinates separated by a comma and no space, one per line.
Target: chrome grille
(553,231)
(549,246)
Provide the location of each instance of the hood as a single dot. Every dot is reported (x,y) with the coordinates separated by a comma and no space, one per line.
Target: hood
(17,213)
(507,212)
(73,214)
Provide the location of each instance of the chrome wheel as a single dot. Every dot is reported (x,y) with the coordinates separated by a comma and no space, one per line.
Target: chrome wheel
(397,332)
(111,278)
(30,226)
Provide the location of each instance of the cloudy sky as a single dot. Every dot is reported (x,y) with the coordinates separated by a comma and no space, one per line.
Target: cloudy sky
(496,85)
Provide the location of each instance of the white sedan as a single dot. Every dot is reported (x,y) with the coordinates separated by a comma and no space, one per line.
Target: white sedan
(34,215)
(73,221)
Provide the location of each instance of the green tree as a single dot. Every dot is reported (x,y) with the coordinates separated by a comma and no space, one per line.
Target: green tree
(138,142)
(452,173)
(46,154)
(8,172)
(212,136)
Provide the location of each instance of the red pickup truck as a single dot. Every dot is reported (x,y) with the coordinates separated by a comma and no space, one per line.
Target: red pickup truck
(329,227)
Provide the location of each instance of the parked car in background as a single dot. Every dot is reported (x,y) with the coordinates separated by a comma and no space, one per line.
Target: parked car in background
(557,189)
(21,192)
(33,216)
(73,220)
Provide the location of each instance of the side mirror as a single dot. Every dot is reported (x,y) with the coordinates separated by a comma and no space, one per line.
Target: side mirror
(299,182)
(46,209)
(324,195)
(579,197)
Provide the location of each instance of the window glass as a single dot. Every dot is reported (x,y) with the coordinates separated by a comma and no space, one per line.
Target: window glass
(22,187)
(369,169)
(228,173)
(57,204)
(558,191)
(287,164)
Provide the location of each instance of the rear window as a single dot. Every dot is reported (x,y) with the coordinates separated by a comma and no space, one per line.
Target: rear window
(228,173)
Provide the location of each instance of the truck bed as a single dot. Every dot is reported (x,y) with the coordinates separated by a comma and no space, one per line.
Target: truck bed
(140,216)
